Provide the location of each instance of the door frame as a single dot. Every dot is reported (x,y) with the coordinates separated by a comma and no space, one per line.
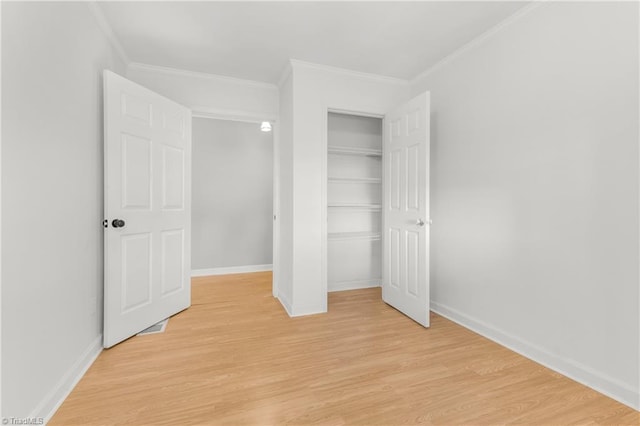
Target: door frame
(252,117)
(324,145)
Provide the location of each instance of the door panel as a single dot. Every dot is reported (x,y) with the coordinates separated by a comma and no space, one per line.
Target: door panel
(174,123)
(136,271)
(136,108)
(394,257)
(172,261)
(394,179)
(405,284)
(413,178)
(172,178)
(413,263)
(136,172)
(148,187)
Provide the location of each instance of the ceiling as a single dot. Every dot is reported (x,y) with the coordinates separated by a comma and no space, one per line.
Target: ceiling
(254,40)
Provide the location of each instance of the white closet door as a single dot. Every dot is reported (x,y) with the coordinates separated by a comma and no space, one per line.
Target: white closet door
(405,283)
(147,208)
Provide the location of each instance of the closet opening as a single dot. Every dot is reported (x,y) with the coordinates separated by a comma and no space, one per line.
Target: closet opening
(354,194)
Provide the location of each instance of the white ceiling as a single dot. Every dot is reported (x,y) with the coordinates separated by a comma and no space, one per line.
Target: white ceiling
(254,40)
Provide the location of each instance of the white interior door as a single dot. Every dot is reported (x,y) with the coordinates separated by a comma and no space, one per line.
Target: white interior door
(405,271)
(147,208)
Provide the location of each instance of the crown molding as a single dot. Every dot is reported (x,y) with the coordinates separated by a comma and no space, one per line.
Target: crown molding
(201,75)
(296,63)
(286,72)
(477,41)
(108,31)
(232,115)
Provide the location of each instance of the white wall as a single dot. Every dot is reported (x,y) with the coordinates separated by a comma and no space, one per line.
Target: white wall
(53,55)
(231,195)
(1,225)
(284,257)
(315,90)
(220,97)
(535,190)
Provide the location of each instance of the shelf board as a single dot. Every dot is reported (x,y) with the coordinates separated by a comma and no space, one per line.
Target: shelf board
(344,236)
(345,150)
(354,180)
(362,206)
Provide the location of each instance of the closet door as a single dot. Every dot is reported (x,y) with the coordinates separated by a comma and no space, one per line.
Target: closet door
(405,284)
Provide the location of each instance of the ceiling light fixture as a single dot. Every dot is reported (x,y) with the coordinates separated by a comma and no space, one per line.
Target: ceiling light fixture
(265,126)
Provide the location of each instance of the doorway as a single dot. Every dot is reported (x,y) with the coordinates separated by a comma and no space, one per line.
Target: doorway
(232,197)
(354,201)
(376,197)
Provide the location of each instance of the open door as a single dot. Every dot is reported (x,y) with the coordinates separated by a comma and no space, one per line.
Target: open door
(147,223)
(405,270)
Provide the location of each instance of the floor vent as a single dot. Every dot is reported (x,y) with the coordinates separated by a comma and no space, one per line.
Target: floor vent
(155,328)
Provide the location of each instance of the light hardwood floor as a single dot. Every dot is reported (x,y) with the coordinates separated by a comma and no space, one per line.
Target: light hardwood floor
(235,357)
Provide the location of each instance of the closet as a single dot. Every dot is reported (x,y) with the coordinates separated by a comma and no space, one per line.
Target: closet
(354,202)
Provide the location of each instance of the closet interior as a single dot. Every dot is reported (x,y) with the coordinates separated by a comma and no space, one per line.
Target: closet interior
(354,202)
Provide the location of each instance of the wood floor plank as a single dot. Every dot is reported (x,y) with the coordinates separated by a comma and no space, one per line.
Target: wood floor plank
(236,358)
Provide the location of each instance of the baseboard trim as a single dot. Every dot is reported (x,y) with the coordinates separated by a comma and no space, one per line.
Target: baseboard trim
(353,285)
(231,270)
(574,370)
(307,310)
(286,304)
(294,311)
(54,399)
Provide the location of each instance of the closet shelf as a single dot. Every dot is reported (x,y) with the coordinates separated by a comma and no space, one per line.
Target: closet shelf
(345,150)
(355,180)
(345,236)
(362,206)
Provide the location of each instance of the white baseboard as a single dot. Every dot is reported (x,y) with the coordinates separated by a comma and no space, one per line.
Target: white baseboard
(581,373)
(294,311)
(231,270)
(54,399)
(352,285)
(307,310)
(286,303)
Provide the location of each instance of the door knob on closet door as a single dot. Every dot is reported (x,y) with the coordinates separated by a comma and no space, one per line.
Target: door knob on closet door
(118,223)
(420,222)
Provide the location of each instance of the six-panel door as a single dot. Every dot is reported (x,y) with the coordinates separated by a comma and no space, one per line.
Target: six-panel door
(147,186)
(406,209)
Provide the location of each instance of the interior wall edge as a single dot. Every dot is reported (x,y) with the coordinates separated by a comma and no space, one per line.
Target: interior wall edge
(286,304)
(54,399)
(583,374)
(284,75)
(108,32)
